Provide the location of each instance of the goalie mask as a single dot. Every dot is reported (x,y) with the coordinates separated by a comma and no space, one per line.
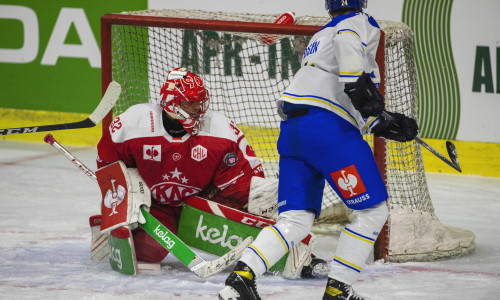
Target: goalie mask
(332,5)
(185,98)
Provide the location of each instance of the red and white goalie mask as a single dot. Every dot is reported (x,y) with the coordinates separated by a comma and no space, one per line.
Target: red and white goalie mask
(185,98)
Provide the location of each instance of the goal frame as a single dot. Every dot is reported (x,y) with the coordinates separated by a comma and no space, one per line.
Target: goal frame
(387,238)
(108,20)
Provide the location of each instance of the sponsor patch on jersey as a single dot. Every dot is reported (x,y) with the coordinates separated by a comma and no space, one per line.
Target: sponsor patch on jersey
(348,182)
(152,152)
(231,159)
(199,153)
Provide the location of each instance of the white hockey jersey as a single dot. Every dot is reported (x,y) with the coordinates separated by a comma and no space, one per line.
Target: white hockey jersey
(338,53)
(175,168)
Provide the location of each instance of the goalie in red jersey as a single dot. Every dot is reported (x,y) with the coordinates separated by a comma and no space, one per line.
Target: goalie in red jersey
(181,148)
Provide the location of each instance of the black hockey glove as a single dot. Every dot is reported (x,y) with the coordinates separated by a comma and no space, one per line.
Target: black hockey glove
(365,96)
(398,128)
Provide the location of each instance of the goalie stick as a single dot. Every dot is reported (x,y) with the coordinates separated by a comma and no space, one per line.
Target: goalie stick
(108,101)
(452,151)
(202,268)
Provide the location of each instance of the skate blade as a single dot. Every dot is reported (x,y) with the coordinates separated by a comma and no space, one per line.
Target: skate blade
(229,293)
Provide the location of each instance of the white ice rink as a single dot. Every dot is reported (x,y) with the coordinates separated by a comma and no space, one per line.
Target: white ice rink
(45,203)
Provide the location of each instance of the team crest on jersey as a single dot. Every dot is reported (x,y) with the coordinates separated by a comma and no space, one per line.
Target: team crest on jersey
(173,189)
(199,153)
(348,182)
(152,152)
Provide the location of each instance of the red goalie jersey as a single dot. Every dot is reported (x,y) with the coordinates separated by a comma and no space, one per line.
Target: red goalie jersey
(219,158)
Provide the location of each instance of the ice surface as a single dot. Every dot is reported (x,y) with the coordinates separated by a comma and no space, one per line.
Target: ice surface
(45,203)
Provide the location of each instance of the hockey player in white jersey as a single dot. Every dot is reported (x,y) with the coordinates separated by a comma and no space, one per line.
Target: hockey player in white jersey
(332,100)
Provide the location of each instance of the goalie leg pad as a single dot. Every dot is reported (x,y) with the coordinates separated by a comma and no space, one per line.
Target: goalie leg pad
(215,228)
(99,249)
(121,251)
(299,256)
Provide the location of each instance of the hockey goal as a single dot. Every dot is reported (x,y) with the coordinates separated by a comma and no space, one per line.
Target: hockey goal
(245,77)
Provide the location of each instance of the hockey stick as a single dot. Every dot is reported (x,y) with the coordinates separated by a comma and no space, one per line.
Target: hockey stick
(202,268)
(452,151)
(106,104)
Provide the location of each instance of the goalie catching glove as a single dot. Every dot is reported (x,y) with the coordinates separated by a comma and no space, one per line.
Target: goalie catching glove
(365,96)
(398,128)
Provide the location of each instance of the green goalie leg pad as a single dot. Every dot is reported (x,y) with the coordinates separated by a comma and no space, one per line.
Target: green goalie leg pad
(216,235)
(121,251)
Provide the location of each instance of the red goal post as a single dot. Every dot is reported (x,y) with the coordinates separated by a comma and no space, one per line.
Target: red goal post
(246,76)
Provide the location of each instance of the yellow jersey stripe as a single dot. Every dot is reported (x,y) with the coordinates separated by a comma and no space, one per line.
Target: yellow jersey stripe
(358,237)
(347,264)
(279,237)
(260,255)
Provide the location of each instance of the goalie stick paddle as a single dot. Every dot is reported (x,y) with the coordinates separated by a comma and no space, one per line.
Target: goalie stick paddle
(452,151)
(202,268)
(108,101)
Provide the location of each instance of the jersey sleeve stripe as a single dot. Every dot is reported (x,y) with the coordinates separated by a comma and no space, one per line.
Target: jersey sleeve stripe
(341,31)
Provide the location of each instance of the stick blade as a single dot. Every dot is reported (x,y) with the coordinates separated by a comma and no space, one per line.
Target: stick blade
(452,152)
(108,101)
(213,267)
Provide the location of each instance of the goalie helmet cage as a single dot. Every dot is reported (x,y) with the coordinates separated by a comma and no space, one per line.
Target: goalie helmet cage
(246,62)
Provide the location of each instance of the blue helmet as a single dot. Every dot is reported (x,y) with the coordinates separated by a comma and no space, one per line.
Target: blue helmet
(332,5)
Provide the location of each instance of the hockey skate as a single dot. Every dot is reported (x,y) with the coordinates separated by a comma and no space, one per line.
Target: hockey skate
(336,290)
(240,285)
(318,268)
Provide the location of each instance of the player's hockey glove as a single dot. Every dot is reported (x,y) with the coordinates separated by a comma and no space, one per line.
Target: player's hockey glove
(399,128)
(365,96)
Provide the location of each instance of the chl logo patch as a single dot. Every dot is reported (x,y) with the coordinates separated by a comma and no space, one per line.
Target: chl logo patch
(199,153)
(152,152)
(348,182)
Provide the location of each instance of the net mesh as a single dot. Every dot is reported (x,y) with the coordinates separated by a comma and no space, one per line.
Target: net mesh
(245,77)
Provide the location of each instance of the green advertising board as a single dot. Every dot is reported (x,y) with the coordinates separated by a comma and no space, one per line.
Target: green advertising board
(50,53)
